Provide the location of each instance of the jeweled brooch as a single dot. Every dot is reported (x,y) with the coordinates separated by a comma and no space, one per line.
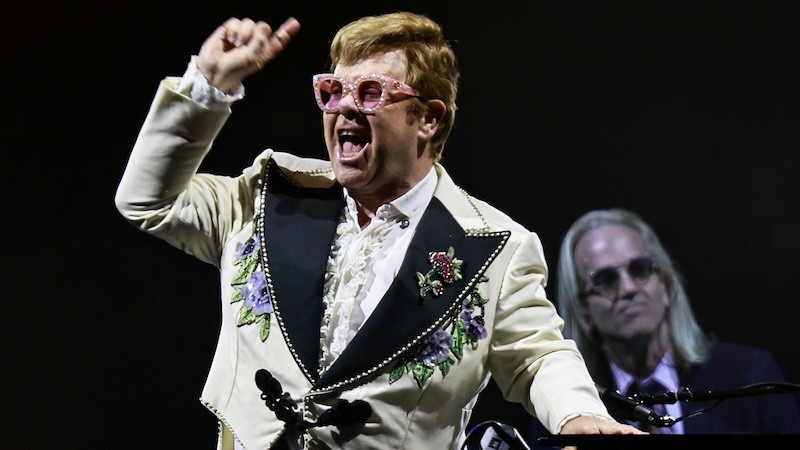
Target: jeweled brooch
(445,270)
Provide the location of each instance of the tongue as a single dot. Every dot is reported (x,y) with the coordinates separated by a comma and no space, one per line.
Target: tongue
(350,148)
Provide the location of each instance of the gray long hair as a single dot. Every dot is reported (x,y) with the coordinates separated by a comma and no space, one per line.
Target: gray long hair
(690,344)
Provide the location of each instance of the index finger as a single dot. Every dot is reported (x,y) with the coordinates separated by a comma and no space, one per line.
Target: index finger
(280,38)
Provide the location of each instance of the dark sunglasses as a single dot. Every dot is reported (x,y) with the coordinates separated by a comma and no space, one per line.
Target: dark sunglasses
(605,281)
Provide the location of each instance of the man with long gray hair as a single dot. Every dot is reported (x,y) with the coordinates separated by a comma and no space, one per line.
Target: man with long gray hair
(625,305)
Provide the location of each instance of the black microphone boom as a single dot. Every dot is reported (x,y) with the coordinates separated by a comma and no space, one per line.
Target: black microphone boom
(631,409)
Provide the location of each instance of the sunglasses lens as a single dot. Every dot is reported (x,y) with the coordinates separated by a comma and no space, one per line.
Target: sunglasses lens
(370,93)
(641,268)
(330,92)
(605,279)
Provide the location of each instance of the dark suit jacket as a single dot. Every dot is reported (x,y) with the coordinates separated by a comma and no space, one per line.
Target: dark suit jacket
(731,367)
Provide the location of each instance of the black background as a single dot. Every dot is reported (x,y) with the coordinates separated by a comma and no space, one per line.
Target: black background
(686,112)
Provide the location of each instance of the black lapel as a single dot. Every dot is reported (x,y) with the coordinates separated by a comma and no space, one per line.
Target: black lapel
(299,227)
(403,318)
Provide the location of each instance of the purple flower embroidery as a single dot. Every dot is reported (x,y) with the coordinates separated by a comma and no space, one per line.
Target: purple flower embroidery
(443,348)
(475,327)
(243,250)
(250,287)
(256,294)
(436,348)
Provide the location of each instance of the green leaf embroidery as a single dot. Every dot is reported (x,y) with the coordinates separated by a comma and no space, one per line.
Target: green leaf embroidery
(264,329)
(246,317)
(422,373)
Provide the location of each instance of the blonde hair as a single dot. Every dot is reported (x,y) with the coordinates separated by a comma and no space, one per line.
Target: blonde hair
(431,64)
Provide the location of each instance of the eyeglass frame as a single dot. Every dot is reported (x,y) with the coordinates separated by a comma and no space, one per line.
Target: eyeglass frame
(389,87)
(593,289)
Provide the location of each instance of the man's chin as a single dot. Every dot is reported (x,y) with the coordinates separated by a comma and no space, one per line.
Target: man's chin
(348,176)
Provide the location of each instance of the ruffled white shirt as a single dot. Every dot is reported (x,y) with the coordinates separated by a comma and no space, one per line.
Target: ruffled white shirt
(363,264)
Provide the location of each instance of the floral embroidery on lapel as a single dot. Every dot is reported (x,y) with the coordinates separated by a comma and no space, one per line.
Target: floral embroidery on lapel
(447,270)
(443,348)
(250,287)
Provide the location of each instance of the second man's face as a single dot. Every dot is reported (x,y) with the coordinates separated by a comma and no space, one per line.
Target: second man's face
(632,308)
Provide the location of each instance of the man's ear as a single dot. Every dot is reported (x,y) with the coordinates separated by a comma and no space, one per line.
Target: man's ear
(585,321)
(433,116)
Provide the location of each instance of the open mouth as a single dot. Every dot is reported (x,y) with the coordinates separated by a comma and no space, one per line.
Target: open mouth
(352,145)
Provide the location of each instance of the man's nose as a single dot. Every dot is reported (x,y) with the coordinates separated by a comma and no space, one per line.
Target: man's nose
(626,283)
(348,102)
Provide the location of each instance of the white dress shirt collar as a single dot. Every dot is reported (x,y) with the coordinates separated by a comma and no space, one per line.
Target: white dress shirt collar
(408,205)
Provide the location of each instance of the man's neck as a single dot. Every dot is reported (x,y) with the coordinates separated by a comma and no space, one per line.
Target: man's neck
(368,202)
(639,357)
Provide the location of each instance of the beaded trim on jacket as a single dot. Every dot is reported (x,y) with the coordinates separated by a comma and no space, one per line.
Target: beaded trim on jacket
(463,327)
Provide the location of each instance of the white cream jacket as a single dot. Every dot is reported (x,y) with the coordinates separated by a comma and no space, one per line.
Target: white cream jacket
(292,204)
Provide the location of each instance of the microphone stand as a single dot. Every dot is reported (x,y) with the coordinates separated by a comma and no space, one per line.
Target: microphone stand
(684,394)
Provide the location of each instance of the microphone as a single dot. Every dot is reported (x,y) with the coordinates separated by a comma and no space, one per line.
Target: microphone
(342,413)
(269,386)
(631,409)
(280,403)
